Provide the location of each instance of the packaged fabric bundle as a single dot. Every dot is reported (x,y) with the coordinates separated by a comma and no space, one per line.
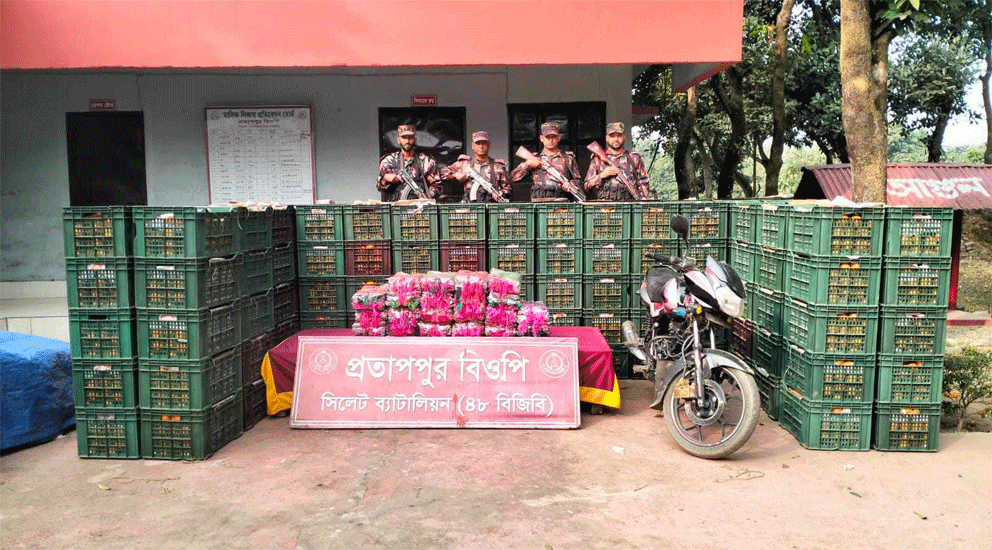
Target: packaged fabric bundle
(500,331)
(369,297)
(468,329)
(532,319)
(431,329)
(437,298)
(404,290)
(401,322)
(470,296)
(502,315)
(504,287)
(359,330)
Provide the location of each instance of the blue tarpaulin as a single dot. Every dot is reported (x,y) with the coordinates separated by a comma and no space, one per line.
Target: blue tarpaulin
(35,389)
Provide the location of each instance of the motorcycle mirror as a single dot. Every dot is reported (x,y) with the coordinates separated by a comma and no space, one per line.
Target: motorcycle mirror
(680,225)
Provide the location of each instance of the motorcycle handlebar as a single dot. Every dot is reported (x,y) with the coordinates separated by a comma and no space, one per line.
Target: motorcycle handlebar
(671,260)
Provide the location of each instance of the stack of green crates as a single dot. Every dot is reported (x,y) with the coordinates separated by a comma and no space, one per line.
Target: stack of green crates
(607,286)
(190,278)
(463,231)
(830,283)
(368,244)
(320,262)
(511,243)
(100,291)
(560,261)
(416,245)
(915,274)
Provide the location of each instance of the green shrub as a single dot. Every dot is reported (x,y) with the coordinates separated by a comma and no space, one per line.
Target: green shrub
(967,378)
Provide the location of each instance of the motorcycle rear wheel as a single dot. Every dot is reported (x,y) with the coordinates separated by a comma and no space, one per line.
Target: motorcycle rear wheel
(702,431)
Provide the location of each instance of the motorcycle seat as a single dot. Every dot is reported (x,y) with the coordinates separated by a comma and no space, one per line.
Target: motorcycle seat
(655,280)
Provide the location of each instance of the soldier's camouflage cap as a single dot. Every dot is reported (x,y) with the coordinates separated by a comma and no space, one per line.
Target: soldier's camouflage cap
(480,136)
(614,128)
(406,130)
(549,128)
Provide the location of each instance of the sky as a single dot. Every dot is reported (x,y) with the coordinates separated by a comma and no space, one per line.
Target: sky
(962,132)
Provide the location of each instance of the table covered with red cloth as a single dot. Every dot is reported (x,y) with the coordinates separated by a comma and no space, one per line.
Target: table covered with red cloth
(597,381)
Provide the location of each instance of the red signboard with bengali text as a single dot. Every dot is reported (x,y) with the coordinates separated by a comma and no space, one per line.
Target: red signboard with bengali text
(423,100)
(366,382)
(103,104)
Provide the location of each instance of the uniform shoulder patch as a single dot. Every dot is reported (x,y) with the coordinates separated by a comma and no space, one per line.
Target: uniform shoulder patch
(387,155)
(570,154)
(463,157)
(635,154)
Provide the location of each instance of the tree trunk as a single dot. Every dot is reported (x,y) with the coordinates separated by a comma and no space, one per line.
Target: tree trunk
(684,171)
(774,165)
(860,103)
(728,86)
(986,96)
(936,140)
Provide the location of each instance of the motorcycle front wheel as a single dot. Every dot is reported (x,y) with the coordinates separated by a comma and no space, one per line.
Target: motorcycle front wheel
(723,422)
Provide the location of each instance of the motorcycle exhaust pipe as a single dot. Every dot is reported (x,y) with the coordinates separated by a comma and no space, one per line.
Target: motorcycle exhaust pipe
(633,341)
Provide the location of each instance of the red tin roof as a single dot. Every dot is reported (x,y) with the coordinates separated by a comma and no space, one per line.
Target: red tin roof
(959,186)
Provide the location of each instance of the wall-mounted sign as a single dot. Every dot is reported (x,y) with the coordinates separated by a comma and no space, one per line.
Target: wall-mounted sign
(261,154)
(356,382)
(423,100)
(103,104)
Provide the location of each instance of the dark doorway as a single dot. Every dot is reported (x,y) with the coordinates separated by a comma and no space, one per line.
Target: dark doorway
(106,158)
(440,134)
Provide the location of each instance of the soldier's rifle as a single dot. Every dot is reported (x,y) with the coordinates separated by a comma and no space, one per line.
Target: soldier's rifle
(478,180)
(553,173)
(621,175)
(410,184)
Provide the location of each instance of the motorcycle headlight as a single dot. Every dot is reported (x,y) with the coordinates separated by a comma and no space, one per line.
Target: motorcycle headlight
(730,302)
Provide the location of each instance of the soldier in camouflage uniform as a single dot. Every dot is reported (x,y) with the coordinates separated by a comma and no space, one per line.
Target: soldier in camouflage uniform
(545,188)
(602,178)
(492,169)
(420,166)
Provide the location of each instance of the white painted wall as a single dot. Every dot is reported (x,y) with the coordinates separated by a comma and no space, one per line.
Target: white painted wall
(33,164)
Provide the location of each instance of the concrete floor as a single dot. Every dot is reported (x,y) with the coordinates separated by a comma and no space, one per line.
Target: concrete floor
(618,482)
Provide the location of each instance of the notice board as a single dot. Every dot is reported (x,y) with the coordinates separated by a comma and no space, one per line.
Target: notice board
(260,153)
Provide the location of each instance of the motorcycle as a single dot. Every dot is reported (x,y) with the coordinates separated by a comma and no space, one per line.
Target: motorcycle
(709,396)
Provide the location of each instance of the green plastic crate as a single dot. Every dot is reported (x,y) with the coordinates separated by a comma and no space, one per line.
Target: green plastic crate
(463,256)
(560,292)
(320,259)
(565,317)
(512,221)
(919,232)
(252,355)
(606,292)
(311,320)
(189,385)
(900,427)
(916,281)
(254,403)
(192,283)
(607,221)
(639,249)
(101,333)
(256,272)
(699,250)
(367,222)
(606,257)
(257,314)
(559,257)
(770,269)
(559,221)
(914,330)
(768,352)
(319,223)
(772,229)
(707,219)
(824,230)
(770,394)
(104,383)
(831,329)
(833,281)
(254,229)
(462,222)
(417,257)
(107,433)
(185,231)
(188,334)
(846,378)
(742,338)
(284,330)
(608,323)
(744,260)
(283,264)
(283,225)
(621,362)
(768,309)
(910,379)
(414,222)
(652,221)
(826,426)
(191,435)
(97,231)
(743,220)
(285,301)
(512,256)
(99,283)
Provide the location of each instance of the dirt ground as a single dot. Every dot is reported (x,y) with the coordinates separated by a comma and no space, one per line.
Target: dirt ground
(618,482)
